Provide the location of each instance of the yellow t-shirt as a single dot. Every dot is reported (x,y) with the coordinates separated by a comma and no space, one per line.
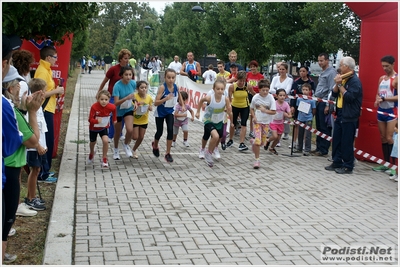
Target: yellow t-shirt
(240,97)
(225,74)
(141,114)
(44,72)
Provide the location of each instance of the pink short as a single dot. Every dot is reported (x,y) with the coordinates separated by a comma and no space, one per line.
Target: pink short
(277,127)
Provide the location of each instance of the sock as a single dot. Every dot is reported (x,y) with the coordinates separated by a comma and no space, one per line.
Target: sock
(384,150)
(105,160)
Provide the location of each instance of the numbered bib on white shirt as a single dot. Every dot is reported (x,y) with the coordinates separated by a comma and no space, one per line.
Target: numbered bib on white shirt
(104,122)
(172,102)
(261,116)
(218,117)
(142,109)
(279,116)
(127,104)
(304,107)
(182,118)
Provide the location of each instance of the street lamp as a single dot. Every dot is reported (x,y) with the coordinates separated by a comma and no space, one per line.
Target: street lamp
(201,10)
(150,29)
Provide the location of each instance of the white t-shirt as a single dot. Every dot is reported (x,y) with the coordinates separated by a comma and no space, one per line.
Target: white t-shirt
(175,66)
(268,102)
(209,77)
(277,84)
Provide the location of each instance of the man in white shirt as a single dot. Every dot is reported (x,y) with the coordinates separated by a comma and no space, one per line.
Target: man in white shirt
(175,65)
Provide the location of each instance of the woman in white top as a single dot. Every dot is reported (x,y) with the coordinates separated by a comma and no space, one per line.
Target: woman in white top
(285,82)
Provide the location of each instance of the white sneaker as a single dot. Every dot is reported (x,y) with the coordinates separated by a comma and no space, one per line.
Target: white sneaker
(90,161)
(285,136)
(173,144)
(116,154)
(122,138)
(278,144)
(127,150)
(104,164)
(110,140)
(201,154)
(186,143)
(23,210)
(208,159)
(216,153)
(135,155)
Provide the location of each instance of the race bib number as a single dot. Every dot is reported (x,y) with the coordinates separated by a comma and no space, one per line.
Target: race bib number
(218,117)
(127,104)
(104,122)
(141,110)
(261,116)
(171,103)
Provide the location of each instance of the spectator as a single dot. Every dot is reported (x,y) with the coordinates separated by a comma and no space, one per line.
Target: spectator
(83,65)
(144,63)
(159,63)
(191,68)
(233,74)
(232,60)
(90,65)
(48,58)
(325,84)
(132,62)
(11,141)
(175,65)
(221,71)
(210,75)
(348,90)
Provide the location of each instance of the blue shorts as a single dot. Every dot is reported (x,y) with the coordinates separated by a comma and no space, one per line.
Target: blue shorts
(386,118)
(33,159)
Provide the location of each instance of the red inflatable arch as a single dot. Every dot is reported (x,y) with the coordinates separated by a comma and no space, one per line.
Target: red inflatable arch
(379,34)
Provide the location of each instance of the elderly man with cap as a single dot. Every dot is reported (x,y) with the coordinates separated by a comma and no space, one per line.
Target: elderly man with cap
(17,135)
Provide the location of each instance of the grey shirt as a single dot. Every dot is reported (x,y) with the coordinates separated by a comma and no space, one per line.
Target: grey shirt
(325,83)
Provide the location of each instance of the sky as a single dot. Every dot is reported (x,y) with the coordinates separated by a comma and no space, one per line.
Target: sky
(159,5)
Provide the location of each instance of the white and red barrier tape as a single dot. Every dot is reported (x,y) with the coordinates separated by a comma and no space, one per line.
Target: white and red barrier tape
(357,151)
(333,102)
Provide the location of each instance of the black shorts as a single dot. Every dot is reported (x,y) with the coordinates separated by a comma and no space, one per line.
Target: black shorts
(33,159)
(244,115)
(208,128)
(144,126)
(129,113)
(93,134)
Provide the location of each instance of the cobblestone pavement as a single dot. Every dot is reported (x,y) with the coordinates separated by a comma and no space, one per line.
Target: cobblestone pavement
(149,212)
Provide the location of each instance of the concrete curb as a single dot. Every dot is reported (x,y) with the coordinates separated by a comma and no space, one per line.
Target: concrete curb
(60,233)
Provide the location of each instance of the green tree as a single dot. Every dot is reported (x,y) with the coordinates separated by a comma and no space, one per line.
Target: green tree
(54,20)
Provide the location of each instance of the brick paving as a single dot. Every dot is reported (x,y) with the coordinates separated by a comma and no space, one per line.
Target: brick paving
(149,212)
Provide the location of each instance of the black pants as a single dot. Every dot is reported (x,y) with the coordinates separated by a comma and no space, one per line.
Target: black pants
(169,119)
(44,172)
(11,199)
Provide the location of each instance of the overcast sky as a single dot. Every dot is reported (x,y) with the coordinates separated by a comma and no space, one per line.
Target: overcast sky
(158,5)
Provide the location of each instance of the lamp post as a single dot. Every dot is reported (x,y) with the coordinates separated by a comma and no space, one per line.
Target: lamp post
(201,10)
(150,29)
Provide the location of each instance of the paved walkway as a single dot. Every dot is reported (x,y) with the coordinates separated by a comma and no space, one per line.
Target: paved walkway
(148,212)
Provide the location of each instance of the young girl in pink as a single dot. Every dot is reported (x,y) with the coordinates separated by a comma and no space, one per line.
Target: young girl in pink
(277,125)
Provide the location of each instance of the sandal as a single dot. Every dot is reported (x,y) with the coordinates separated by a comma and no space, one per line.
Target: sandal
(273,151)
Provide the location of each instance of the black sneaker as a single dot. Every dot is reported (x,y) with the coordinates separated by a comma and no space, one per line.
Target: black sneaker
(34,204)
(42,201)
(331,167)
(223,146)
(343,171)
(169,158)
(242,147)
(266,146)
(156,151)
(230,143)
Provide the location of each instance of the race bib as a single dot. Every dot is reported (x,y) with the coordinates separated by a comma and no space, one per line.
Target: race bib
(127,104)
(171,103)
(261,116)
(182,118)
(142,109)
(279,116)
(218,117)
(104,122)
(304,107)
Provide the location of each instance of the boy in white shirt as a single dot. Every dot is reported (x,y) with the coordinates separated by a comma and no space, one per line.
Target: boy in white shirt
(36,157)
(210,75)
(262,109)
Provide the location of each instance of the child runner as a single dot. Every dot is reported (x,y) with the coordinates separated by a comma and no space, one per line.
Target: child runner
(277,125)
(141,115)
(306,111)
(240,106)
(124,98)
(213,119)
(99,122)
(210,75)
(181,119)
(166,99)
(262,108)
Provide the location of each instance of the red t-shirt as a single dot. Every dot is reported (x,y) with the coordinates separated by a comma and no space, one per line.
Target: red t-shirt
(97,111)
(253,79)
(113,75)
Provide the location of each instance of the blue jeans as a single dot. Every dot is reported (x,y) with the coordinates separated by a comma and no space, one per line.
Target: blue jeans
(111,129)
(343,142)
(322,144)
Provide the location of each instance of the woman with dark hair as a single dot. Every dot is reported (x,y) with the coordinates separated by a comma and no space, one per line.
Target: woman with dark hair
(386,101)
(304,77)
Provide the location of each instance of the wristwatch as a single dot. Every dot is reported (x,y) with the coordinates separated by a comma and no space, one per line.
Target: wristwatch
(339,85)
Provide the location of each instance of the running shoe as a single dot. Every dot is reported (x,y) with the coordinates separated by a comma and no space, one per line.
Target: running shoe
(169,158)
(116,154)
(230,143)
(156,151)
(242,147)
(208,158)
(216,153)
(201,153)
(256,164)
(127,150)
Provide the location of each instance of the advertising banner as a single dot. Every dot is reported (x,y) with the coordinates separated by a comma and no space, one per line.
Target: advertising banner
(60,70)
